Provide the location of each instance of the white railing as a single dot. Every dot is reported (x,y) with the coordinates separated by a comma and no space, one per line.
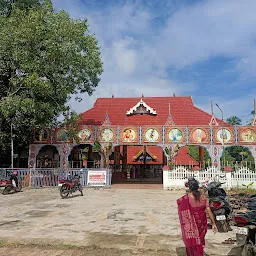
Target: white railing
(239,178)
(243,177)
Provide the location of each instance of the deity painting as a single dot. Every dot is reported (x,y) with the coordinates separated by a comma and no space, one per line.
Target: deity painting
(41,135)
(248,135)
(107,135)
(84,135)
(223,135)
(129,135)
(152,135)
(175,135)
(199,135)
(62,135)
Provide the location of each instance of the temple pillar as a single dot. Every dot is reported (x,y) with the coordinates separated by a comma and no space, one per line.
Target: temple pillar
(124,158)
(64,153)
(117,158)
(201,156)
(90,163)
(253,152)
(215,154)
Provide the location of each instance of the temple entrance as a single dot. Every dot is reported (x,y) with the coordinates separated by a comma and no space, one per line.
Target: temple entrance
(137,164)
(48,157)
(84,156)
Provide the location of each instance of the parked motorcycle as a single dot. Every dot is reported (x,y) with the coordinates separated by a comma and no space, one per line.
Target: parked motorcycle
(220,206)
(245,228)
(8,184)
(70,185)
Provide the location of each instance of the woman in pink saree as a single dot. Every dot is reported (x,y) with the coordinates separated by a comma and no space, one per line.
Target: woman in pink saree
(192,210)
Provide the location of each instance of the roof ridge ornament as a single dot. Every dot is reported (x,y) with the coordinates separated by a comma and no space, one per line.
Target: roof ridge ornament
(254,121)
(106,121)
(213,121)
(141,108)
(169,121)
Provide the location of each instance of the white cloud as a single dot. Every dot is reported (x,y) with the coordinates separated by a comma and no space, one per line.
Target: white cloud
(137,56)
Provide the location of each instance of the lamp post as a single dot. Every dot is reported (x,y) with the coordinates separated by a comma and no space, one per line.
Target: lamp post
(11,146)
(223,147)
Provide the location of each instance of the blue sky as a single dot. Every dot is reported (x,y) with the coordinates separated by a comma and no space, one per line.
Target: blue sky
(206,49)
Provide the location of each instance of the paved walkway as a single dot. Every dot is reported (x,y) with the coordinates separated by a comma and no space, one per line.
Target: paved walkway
(135,221)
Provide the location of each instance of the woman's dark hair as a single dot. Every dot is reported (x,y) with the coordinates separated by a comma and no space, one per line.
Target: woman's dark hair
(194,186)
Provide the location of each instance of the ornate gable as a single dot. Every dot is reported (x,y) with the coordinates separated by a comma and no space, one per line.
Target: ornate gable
(141,108)
(140,156)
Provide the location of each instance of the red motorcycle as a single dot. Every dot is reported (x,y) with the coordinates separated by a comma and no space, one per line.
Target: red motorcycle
(69,186)
(8,185)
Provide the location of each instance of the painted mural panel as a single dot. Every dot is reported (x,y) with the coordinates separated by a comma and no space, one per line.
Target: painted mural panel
(199,135)
(42,135)
(106,134)
(175,134)
(129,135)
(247,135)
(61,135)
(85,135)
(152,135)
(224,136)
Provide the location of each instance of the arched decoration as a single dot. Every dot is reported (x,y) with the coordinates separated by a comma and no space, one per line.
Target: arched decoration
(83,156)
(199,135)
(48,157)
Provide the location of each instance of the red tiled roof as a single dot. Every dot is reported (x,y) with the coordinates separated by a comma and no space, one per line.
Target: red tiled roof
(183,158)
(182,110)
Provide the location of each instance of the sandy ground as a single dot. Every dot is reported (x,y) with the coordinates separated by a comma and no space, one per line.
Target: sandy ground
(102,222)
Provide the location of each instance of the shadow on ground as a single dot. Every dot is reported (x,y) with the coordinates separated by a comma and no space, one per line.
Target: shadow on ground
(181,251)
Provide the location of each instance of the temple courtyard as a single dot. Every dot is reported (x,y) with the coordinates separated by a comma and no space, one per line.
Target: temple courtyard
(115,221)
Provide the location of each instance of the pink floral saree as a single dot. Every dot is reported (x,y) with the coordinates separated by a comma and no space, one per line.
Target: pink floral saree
(193,223)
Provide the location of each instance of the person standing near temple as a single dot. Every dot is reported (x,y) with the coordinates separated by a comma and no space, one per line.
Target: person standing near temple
(192,209)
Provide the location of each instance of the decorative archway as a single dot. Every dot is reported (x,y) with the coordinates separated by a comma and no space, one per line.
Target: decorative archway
(48,157)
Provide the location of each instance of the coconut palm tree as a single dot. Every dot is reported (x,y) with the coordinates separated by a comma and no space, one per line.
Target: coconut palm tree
(234,120)
(104,151)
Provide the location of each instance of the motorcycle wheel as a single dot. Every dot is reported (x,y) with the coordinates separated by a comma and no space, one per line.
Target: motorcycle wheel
(222,226)
(81,190)
(248,250)
(6,191)
(18,189)
(63,191)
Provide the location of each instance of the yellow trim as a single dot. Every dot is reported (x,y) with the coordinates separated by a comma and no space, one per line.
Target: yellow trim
(147,151)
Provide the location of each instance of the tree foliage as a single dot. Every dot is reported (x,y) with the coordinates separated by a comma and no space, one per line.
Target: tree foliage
(234,120)
(45,57)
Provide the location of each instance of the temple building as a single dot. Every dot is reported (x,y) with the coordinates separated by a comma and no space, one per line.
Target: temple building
(137,138)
